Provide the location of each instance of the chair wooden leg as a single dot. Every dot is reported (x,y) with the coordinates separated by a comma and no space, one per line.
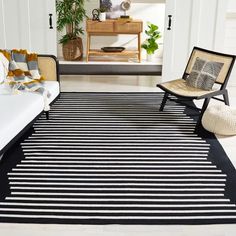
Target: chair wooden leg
(204,107)
(47,115)
(163,103)
(226,97)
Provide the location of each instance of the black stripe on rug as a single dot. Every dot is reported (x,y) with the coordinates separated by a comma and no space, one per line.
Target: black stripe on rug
(113,158)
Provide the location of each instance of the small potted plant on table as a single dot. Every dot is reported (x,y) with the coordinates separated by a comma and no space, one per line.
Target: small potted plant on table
(102,13)
(105,6)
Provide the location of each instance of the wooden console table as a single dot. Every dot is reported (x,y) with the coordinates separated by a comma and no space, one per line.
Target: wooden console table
(110,28)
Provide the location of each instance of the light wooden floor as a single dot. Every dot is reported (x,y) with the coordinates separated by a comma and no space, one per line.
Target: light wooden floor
(124,84)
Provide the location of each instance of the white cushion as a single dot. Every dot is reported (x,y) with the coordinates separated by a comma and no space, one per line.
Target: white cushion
(53,88)
(17,111)
(5,89)
(220,119)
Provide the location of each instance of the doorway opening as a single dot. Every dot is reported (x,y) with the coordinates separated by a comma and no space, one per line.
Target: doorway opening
(145,10)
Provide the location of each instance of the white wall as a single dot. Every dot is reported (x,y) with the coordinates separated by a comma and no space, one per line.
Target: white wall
(25,24)
(146,10)
(231,6)
(195,23)
(230,35)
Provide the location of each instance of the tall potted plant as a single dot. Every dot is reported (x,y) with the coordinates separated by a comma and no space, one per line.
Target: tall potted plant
(70,14)
(150,44)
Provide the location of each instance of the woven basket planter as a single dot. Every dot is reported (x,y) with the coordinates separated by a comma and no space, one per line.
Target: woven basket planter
(73,50)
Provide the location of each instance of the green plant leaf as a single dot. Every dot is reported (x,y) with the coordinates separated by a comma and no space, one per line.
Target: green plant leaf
(70,12)
(150,44)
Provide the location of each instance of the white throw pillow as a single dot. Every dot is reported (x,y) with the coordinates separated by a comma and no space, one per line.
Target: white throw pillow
(2,72)
(4,64)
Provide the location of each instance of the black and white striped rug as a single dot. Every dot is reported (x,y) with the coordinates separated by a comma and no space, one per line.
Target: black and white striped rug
(107,158)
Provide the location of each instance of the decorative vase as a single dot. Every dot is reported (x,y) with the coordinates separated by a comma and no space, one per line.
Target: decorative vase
(102,16)
(150,57)
(73,50)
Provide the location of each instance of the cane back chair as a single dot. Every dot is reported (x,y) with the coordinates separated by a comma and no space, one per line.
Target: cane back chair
(182,91)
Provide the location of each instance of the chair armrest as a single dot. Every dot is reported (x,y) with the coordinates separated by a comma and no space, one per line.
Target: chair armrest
(49,67)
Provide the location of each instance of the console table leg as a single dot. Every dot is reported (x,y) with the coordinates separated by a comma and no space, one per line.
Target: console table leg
(139,47)
(88,46)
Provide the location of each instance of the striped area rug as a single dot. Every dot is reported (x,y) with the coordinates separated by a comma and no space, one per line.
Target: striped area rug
(107,158)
